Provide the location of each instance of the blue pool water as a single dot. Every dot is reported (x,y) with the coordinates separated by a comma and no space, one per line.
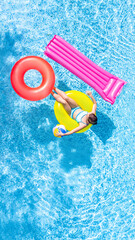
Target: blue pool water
(81,186)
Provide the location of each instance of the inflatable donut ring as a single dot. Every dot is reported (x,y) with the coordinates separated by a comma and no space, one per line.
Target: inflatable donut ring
(63,118)
(17,78)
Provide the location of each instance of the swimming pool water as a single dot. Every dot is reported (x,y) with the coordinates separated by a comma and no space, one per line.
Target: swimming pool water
(81,186)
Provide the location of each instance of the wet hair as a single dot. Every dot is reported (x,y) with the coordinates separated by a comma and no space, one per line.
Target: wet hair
(92,119)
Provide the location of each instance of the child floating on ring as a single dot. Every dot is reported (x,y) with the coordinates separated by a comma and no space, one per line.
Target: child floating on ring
(84,118)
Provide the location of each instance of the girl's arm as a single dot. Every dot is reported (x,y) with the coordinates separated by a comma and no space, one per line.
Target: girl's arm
(71,132)
(94,102)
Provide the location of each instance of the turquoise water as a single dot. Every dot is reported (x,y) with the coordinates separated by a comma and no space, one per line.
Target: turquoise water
(81,186)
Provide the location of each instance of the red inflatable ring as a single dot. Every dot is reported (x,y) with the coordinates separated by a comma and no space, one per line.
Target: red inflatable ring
(17,78)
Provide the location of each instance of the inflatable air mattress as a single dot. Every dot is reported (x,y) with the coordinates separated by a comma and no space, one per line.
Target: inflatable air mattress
(106,84)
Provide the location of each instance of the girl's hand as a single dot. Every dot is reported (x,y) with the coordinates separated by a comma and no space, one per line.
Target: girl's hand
(60,134)
(89,93)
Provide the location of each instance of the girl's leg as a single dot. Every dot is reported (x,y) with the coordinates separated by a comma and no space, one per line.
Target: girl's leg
(69,100)
(63,101)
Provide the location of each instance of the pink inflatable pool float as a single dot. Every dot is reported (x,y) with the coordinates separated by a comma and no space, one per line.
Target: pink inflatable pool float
(106,84)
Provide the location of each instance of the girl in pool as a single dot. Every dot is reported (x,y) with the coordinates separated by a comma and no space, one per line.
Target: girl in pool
(74,111)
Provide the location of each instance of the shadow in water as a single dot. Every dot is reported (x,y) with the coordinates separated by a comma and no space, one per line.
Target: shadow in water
(104,128)
(7,52)
(41,120)
(62,86)
(76,150)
